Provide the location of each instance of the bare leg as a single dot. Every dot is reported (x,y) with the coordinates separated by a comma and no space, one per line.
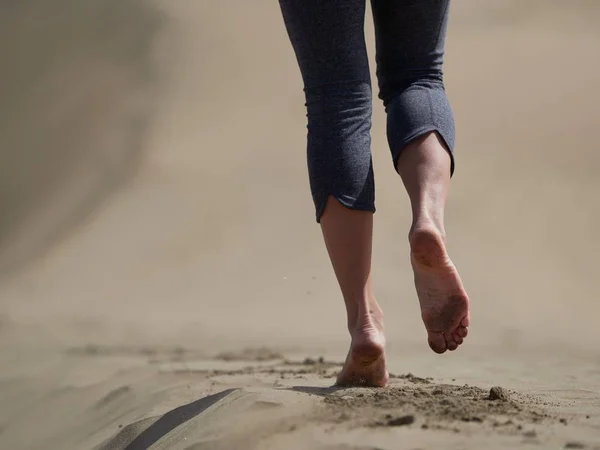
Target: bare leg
(348,237)
(424,166)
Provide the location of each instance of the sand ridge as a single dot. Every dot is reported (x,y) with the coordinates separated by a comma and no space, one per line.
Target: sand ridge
(298,396)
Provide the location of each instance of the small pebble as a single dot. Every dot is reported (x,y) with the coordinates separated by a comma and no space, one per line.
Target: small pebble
(400,421)
(498,393)
(472,419)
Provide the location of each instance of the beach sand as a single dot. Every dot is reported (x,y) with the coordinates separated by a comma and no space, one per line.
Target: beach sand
(163,284)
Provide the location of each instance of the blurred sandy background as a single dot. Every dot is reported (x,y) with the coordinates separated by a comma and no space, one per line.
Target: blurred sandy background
(154,207)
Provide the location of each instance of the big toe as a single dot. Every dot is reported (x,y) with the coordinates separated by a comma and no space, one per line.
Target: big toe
(437,343)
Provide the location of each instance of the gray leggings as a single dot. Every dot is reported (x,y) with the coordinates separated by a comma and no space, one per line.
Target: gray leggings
(328,40)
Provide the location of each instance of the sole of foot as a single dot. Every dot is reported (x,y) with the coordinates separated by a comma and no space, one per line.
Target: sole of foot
(443,299)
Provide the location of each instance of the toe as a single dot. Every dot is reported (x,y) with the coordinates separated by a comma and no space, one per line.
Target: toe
(437,343)
(450,342)
(466,321)
(457,338)
(462,331)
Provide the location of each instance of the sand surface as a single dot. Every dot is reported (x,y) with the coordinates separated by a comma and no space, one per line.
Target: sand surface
(163,284)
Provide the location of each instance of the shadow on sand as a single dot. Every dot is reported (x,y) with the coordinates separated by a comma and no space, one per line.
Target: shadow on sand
(173,419)
(144,434)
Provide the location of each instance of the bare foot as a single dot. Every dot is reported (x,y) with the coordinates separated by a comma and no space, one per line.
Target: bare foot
(444,302)
(365,363)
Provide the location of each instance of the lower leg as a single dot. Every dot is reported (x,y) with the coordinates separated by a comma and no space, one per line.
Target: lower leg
(348,237)
(329,42)
(424,166)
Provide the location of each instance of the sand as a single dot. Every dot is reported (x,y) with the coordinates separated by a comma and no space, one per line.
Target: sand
(163,284)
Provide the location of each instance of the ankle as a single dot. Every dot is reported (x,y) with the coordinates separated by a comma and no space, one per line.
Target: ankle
(369,317)
(424,222)
(368,313)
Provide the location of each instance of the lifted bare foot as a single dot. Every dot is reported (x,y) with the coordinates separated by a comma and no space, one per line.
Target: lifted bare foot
(365,363)
(444,302)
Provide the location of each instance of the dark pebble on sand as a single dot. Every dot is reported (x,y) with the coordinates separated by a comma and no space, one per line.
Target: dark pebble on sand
(401,421)
(312,362)
(472,419)
(530,434)
(574,445)
(498,393)
(563,421)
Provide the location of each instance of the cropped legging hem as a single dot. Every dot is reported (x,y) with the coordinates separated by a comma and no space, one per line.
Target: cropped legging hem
(446,136)
(356,204)
(344,200)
